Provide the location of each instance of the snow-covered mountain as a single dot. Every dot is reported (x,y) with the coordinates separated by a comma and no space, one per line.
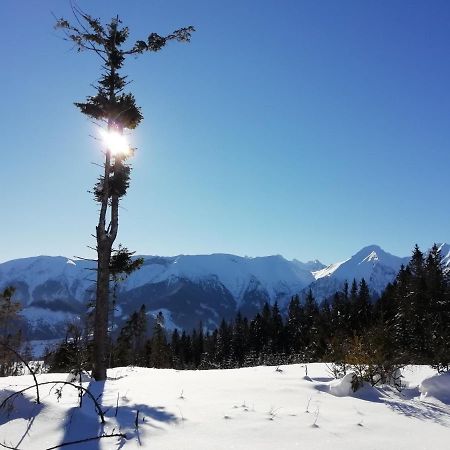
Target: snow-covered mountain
(372,263)
(189,289)
(445,253)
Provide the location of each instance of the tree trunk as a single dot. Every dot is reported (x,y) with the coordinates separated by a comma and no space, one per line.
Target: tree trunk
(104,247)
(101,311)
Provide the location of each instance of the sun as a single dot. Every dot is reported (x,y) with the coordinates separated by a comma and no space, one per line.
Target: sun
(115,142)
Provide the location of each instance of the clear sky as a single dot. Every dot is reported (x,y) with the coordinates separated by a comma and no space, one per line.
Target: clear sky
(302,128)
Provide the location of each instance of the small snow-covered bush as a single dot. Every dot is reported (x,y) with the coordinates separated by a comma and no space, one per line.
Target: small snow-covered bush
(366,361)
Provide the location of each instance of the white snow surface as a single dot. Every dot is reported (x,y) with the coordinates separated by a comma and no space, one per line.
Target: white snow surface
(251,408)
(342,387)
(436,387)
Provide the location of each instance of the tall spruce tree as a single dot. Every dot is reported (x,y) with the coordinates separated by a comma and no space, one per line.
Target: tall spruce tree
(116,110)
(293,325)
(160,350)
(10,334)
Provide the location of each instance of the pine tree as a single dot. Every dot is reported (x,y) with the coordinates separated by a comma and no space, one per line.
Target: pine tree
(354,291)
(175,346)
(420,318)
(10,334)
(160,350)
(197,345)
(256,335)
(311,327)
(438,293)
(277,330)
(72,355)
(186,350)
(293,326)
(223,349)
(266,329)
(363,307)
(112,107)
(403,332)
(130,346)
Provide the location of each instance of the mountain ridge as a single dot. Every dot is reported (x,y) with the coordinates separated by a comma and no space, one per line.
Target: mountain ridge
(190,288)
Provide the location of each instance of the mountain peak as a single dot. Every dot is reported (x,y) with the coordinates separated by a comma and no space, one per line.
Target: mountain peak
(373,256)
(369,249)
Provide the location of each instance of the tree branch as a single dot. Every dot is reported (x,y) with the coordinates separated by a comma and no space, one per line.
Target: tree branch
(122,435)
(78,387)
(38,401)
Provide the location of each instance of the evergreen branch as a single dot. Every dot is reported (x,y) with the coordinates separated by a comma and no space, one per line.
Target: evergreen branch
(93,23)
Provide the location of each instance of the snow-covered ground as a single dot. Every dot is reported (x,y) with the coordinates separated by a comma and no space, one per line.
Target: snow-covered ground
(251,408)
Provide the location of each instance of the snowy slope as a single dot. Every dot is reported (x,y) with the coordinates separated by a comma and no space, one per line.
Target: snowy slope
(445,253)
(254,408)
(274,273)
(47,278)
(372,263)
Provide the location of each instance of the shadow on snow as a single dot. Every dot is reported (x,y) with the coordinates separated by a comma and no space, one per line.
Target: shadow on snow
(405,402)
(19,407)
(84,422)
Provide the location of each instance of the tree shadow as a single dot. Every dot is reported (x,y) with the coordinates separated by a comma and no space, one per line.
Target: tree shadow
(421,410)
(404,402)
(84,422)
(19,407)
(321,379)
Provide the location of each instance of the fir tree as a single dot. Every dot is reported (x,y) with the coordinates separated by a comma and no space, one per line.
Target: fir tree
(223,349)
(294,325)
(10,333)
(160,350)
(115,109)
(277,330)
(130,346)
(311,331)
(175,346)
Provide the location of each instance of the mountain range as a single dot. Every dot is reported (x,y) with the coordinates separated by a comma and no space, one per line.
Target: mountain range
(188,289)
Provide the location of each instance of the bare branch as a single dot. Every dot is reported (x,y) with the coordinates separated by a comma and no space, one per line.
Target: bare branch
(79,387)
(121,435)
(7,446)
(38,401)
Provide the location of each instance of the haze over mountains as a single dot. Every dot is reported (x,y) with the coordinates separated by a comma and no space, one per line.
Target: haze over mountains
(188,289)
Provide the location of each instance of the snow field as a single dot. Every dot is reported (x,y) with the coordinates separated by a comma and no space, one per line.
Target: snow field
(251,408)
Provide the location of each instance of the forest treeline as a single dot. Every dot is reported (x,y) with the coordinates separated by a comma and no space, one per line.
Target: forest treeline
(409,323)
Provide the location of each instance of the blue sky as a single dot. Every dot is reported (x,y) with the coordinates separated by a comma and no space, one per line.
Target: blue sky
(302,128)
